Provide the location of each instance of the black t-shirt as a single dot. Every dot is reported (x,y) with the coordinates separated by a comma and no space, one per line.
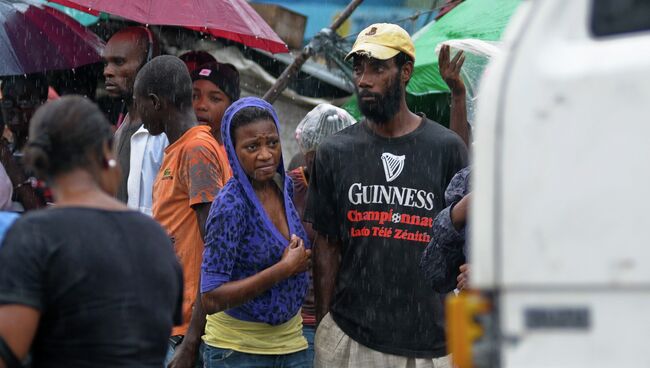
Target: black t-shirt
(107,283)
(379,196)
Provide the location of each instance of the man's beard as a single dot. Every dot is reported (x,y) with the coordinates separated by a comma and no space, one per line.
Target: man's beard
(384,108)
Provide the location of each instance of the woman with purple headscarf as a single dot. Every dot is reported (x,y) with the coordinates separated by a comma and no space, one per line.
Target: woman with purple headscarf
(253,278)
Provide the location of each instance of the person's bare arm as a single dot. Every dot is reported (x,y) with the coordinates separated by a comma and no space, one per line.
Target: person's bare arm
(327,259)
(450,72)
(18,324)
(202,210)
(460,212)
(185,354)
(295,260)
(458,122)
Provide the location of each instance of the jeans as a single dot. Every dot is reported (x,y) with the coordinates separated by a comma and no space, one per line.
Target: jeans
(226,358)
(309,332)
(174,341)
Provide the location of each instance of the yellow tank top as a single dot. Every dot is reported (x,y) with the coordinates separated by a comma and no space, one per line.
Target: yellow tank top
(226,332)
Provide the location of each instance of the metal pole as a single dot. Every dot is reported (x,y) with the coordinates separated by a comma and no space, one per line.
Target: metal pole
(283,80)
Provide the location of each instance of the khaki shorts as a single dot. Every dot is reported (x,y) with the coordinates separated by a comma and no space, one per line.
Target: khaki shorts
(335,349)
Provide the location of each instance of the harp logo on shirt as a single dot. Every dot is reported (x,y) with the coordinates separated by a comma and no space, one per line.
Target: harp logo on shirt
(393,165)
(167,175)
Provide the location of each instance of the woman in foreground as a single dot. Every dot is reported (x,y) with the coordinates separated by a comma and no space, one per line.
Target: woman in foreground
(86,283)
(253,278)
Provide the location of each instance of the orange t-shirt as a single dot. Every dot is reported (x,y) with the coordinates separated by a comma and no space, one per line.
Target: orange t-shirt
(223,156)
(191,173)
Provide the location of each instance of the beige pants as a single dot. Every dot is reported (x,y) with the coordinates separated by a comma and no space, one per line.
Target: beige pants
(335,349)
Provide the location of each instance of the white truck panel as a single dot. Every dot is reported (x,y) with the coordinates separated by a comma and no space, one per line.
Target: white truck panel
(576,158)
(483,171)
(576,155)
(560,212)
(617,337)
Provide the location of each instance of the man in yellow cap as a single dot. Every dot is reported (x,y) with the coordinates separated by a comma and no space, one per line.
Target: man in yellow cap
(374,191)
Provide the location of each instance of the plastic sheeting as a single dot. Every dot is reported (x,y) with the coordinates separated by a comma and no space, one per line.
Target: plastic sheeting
(477,54)
(322,121)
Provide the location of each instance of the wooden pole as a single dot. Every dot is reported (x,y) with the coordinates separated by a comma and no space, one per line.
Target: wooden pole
(283,80)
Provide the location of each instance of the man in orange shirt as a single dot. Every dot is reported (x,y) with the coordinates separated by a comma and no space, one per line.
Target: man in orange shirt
(189,178)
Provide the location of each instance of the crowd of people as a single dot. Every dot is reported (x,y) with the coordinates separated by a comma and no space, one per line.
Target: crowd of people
(181,239)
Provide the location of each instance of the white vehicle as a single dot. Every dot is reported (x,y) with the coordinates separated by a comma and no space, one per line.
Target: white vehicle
(561,213)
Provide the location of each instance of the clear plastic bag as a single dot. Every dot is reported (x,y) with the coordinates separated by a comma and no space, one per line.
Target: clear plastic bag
(477,55)
(323,120)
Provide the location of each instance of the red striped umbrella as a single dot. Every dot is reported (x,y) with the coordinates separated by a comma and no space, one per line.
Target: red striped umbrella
(232,19)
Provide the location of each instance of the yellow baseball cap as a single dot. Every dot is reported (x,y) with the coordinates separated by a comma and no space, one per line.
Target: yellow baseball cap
(383,41)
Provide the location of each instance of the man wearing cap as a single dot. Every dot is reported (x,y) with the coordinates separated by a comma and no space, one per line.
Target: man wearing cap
(215,86)
(374,191)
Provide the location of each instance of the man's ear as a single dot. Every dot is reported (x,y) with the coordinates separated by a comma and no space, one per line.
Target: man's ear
(155,101)
(407,71)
